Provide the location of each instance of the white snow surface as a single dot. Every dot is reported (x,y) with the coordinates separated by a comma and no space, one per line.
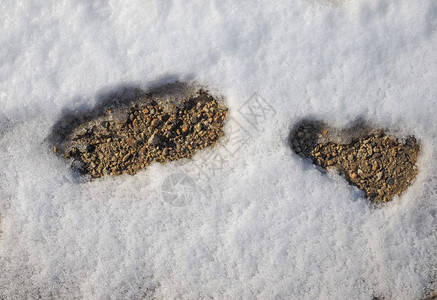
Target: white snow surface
(264,224)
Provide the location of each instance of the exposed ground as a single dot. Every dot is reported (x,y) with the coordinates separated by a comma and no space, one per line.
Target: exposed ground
(151,129)
(378,163)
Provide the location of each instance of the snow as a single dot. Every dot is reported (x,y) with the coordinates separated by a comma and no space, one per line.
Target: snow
(263,224)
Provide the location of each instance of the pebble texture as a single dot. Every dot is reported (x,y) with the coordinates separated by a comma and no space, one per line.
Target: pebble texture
(377,163)
(151,129)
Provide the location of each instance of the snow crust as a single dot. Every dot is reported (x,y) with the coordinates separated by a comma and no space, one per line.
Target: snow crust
(264,223)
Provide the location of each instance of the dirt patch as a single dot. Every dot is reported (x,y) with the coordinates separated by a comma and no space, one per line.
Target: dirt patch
(166,124)
(376,162)
(431,297)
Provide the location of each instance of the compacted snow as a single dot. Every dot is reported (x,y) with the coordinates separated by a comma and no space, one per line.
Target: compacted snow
(248,218)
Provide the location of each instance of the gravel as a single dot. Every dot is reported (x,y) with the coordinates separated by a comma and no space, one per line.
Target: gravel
(379,164)
(126,139)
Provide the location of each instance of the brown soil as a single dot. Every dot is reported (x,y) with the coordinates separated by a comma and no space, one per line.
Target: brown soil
(377,163)
(150,129)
